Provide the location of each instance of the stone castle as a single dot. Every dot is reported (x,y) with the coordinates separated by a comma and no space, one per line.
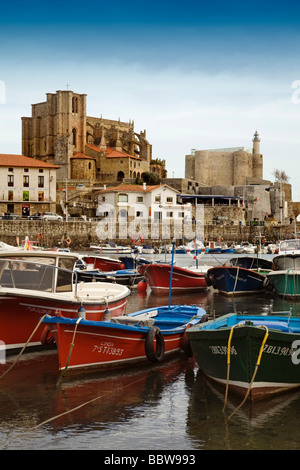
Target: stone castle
(90,149)
(226,167)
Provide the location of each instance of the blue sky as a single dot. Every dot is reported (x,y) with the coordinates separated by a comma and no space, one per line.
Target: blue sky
(194,74)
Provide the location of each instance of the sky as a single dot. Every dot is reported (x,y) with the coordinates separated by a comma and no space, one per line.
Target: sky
(194,74)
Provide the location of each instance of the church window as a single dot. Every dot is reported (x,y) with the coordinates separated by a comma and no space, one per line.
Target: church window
(74,134)
(74,104)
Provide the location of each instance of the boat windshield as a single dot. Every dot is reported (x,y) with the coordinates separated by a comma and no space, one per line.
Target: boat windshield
(22,274)
(290,245)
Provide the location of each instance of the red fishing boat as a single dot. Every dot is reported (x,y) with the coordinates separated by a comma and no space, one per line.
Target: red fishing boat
(104,263)
(36,283)
(150,334)
(184,279)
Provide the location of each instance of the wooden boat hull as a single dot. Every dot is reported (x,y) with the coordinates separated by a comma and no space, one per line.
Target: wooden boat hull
(114,345)
(276,373)
(125,277)
(286,283)
(183,280)
(20,314)
(235,280)
(102,262)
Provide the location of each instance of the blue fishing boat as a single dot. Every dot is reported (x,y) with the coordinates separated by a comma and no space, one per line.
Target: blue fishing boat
(243,275)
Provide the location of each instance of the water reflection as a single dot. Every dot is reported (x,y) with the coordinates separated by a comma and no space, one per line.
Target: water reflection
(268,424)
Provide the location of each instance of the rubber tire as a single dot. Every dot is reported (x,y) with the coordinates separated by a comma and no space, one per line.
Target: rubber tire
(154,354)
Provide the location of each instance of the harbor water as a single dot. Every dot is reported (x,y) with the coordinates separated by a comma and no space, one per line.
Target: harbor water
(169,406)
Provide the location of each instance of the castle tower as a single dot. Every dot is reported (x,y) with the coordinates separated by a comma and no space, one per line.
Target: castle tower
(257,164)
(256,144)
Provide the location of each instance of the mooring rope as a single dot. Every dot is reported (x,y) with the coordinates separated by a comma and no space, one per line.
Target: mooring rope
(70,353)
(255,370)
(23,349)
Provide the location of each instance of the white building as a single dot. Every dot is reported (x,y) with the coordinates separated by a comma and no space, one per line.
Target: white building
(27,185)
(142,202)
(134,207)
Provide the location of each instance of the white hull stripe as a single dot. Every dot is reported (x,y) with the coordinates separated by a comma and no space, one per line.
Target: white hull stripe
(257,385)
(131,359)
(71,310)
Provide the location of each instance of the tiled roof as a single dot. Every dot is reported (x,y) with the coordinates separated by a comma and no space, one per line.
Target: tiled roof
(81,155)
(112,153)
(134,188)
(22,161)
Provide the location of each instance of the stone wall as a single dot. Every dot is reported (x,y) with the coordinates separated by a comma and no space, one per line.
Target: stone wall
(82,234)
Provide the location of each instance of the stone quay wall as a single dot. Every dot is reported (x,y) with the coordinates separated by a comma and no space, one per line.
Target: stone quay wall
(82,234)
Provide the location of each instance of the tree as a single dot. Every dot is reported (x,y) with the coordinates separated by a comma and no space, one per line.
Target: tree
(281,176)
(150,178)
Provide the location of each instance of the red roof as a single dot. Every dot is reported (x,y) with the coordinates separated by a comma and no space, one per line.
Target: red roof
(133,188)
(112,153)
(82,155)
(22,161)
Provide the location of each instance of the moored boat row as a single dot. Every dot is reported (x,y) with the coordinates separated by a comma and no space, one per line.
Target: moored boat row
(43,298)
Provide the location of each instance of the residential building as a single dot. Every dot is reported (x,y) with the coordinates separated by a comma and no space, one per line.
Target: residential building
(136,206)
(27,185)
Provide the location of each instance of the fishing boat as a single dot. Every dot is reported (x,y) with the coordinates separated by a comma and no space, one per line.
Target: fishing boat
(264,352)
(185,279)
(214,247)
(241,275)
(289,247)
(111,248)
(34,283)
(147,335)
(104,263)
(285,278)
(125,277)
(163,277)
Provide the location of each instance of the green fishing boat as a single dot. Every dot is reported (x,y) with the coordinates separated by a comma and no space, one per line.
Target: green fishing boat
(285,278)
(250,355)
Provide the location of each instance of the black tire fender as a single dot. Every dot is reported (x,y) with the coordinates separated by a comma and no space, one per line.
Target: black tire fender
(154,353)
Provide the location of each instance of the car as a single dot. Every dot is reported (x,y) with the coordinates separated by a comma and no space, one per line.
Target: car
(36,216)
(51,216)
(80,186)
(10,216)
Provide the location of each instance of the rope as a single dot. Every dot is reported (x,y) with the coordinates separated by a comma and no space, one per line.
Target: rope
(255,370)
(23,349)
(70,353)
(236,278)
(228,364)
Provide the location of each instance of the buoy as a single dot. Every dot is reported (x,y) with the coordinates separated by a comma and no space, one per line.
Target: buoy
(81,312)
(122,266)
(142,286)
